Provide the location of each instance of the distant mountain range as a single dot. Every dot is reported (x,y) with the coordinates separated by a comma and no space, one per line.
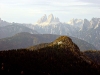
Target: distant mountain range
(25,39)
(82,29)
(4,23)
(10,30)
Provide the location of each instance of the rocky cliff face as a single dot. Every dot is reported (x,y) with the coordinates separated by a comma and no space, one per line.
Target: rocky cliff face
(45,21)
(42,19)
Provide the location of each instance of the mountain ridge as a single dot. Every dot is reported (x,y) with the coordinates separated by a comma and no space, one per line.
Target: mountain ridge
(87,30)
(10,30)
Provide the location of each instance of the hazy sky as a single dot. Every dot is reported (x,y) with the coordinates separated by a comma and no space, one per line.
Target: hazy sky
(29,11)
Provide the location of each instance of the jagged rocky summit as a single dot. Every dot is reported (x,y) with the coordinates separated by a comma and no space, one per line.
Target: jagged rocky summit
(44,21)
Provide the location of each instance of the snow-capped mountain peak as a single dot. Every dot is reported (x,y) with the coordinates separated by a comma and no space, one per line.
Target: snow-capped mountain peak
(44,21)
(95,22)
(76,22)
(50,18)
(98,24)
(71,22)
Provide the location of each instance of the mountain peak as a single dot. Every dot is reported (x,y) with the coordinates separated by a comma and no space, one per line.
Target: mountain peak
(76,23)
(44,21)
(50,18)
(67,43)
(71,22)
(0,19)
(56,19)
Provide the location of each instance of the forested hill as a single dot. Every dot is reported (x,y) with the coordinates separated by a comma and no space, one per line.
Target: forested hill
(25,39)
(61,57)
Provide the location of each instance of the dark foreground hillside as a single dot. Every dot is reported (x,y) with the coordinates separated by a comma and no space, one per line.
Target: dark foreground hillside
(46,62)
(94,55)
(58,58)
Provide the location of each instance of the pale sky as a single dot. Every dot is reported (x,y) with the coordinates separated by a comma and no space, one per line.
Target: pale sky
(29,11)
